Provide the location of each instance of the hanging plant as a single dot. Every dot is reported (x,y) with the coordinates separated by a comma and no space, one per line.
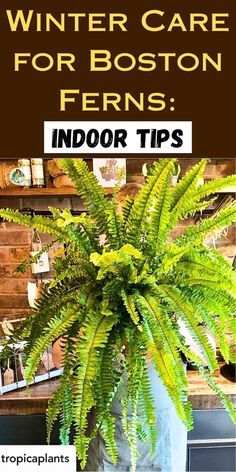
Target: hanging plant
(131,292)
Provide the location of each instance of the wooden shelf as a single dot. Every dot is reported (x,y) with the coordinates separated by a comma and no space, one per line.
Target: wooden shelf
(35,401)
(40,192)
(62,191)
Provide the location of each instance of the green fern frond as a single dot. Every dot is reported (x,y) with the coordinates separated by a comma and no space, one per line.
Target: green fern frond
(115,226)
(55,406)
(147,410)
(166,351)
(16,217)
(80,230)
(186,311)
(89,189)
(187,184)
(200,207)
(130,307)
(44,225)
(113,303)
(216,223)
(76,271)
(38,222)
(85,224)
(95,331)
(108,427)
(217,256)
(206,281)
(214,301)
(160,217)
(191,201)
(196,268)
(141,206)
(60,404)
(106,386)
(232,324)
(221,336)
(198,261)
(172,255)
(66,416)
(66,294)
(135,362)
(126,208)
(23,266)
(182,195)
(215,316)
(56,327)
(214,186)
(225,401)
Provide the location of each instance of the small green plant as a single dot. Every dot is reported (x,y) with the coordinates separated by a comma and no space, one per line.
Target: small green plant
(131,292)
(110,170)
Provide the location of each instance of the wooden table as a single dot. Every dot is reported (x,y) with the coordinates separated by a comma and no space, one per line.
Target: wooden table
(21,402)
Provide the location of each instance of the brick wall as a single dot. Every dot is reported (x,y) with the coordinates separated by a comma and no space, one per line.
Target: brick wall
(14,247)
(15,241)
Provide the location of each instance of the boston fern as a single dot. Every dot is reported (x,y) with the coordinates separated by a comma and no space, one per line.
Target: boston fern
(113,303)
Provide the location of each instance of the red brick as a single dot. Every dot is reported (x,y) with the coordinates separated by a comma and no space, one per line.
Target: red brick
(4,254)
(8,270)
(19,254)
(188,222)
(210,171)
(14,238)
(225,167)
(176,232)
(14,301)
(15,227)
(13,286)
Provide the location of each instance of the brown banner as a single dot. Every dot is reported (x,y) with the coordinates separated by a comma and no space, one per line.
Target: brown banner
(117,61)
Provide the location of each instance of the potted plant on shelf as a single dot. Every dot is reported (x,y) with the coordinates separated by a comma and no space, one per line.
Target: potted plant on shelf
(110,170)
(134,288)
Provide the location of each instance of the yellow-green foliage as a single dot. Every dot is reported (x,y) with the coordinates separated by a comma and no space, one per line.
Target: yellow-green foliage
(129,293)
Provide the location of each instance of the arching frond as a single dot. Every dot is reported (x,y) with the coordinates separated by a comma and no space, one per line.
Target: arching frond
(89,189)
(147,410)
(217,223)
(130,307)
(164,346)
(94,334)
(143,202)
(185,187)
(107,383)
(56,327)
(185,311)
(160,217)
